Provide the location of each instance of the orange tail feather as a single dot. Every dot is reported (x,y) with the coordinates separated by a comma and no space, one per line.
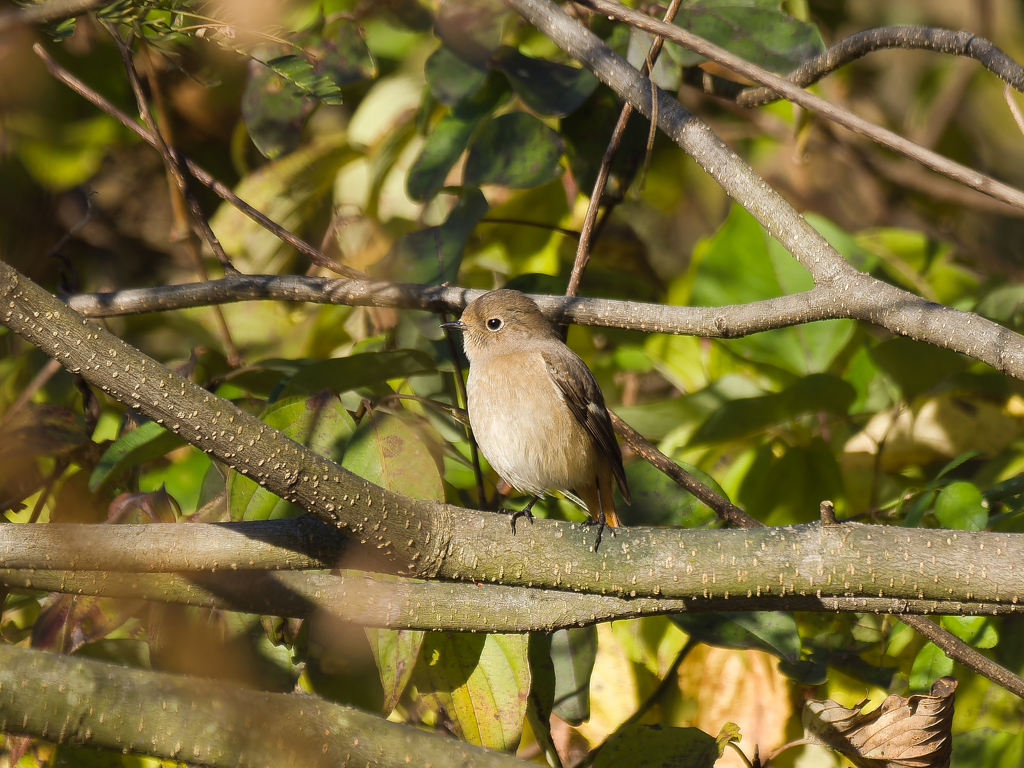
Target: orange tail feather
(606,500)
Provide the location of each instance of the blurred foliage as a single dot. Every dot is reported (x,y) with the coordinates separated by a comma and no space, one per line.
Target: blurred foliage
(432,142)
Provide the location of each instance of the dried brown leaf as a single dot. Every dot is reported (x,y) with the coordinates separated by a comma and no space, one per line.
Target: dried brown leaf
(912,732)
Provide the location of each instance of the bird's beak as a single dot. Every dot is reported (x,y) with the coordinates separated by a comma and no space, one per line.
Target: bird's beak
(456,325)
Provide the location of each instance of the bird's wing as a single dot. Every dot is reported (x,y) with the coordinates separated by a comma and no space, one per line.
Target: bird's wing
(579,388)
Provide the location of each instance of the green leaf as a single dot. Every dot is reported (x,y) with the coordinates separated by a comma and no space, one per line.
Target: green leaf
(542,695)
(573,653)
(660,500)
(342,56)
(433,255)
(656,746)
(771,631)
(740,264)
(147,442)
(395,652)
(386,451)
(121,651)
(756,30)
(299,72)
(976,631)
(82,757)
(959,506)
(987,748)
(587,132)
(916,367)
(956,462)
(452,79)
(529,255)
(281,92)
(921,506)
(321,423)
(730,732)
(481,682)
(440,151)
(515,150)
(274,111)
(471,28)
(788,489)
(449,139)
(748,416)
(1004,305)
(545,87)
(341,374)
(60,154)
(929,665)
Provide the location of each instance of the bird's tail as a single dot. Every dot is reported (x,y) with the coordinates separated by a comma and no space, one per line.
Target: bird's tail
(596,501)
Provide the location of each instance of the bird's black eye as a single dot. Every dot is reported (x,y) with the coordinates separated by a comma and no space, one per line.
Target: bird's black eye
(494,324)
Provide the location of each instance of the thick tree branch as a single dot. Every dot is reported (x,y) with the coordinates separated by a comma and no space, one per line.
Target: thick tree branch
(428,539)
(293,544)
(432,605)
(797,95)
(857,296)
(715,322)
(70,700)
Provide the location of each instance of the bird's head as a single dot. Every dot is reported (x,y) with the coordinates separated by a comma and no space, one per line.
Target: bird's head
(502,322)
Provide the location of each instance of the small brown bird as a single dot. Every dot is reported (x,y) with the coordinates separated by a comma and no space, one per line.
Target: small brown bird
(535,408)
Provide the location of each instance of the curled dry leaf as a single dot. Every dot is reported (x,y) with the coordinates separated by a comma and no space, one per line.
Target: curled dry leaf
(903,732)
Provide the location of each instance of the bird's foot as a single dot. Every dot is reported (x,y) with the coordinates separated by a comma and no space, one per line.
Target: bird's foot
(526,512)
(602,524)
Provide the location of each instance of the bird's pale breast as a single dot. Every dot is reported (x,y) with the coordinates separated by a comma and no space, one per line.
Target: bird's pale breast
(525,429)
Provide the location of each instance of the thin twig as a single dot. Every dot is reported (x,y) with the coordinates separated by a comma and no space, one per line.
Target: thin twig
(666,682)
(779,750)
(178,208)
(816,104)
(203,176)
(961,652)
(540,225)
(652,132)
(957,43)
(1015,110)
(38,382)
(173,167)
(587,233)
(736,748)
(44,494)
(66,237)
(641,446)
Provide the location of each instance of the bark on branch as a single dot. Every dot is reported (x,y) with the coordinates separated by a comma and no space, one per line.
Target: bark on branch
(438,606)
(856,296)
(71,700)
(428,539)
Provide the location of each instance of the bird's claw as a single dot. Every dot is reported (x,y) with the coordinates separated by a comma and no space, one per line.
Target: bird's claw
(601,526)
(516,514)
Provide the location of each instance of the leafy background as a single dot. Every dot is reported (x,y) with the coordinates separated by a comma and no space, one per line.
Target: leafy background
(431,143)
